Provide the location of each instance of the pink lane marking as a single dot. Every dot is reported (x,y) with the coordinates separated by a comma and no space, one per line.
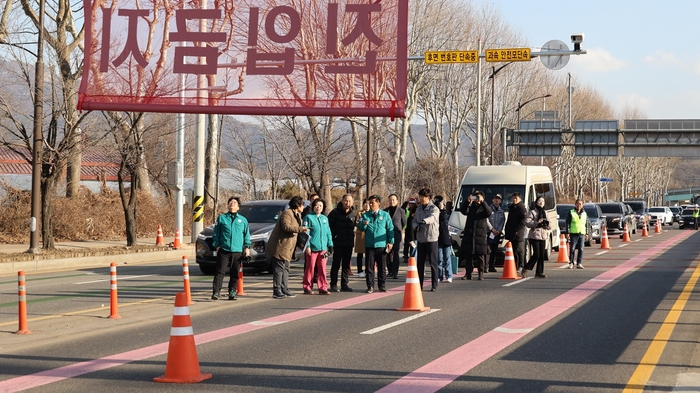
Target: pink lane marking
(73,370)
(445,369)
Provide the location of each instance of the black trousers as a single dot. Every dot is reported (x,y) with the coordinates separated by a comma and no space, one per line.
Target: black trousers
(537,256)
(518,253)
(429,251)
(342,256)
(475,260)
(493,248)
(393,261)
(375,256)
(224,259)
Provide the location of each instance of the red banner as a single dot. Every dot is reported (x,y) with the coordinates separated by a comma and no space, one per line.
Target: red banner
(253,57)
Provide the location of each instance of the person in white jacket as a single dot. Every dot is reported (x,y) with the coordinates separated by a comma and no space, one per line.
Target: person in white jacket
(426,224)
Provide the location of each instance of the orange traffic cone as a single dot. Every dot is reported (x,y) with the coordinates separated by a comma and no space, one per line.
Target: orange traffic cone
(509,270)
(626,235)
(563,253)
(645,233)
(160,241)
(239,286)
(182,365)
(413,295)
(604,243)
(176,242)
(658,226)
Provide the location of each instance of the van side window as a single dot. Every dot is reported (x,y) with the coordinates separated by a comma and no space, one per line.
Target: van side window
(546,190)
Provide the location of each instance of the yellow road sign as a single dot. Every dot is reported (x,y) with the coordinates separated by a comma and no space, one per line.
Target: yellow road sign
(452,56)
(514,54)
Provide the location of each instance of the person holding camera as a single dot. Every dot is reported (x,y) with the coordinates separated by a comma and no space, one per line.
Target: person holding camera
(495,222)
(317,249)
(539,231)
(231,240)
(476,229)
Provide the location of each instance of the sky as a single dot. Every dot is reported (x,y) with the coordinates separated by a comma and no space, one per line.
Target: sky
(642,54)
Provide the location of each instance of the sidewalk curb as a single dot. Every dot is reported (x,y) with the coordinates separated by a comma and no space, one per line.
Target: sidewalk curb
(42,265)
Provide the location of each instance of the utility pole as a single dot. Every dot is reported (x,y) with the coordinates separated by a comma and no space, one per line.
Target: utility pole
(38,148)
(198,197)
(478,109)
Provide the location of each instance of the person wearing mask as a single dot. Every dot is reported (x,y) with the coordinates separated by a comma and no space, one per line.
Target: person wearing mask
(280,246)
(474,243)
(231,240)
(576,224)
(539,231)
(496,222)
(398,218)
(360,240)
(444,242)
(379,238)
(319,245)
(342,223)
(426,224)
(515,229)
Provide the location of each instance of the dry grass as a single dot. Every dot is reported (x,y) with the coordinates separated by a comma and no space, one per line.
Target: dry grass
(85,217)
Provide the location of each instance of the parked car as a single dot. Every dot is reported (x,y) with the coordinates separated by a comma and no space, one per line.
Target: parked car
(663,214)
(597,220)
(677,210)
(261,216)
(641,214)
(688,221)
(618,214)
(562,211)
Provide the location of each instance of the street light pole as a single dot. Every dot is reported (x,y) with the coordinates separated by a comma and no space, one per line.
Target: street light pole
(494,71)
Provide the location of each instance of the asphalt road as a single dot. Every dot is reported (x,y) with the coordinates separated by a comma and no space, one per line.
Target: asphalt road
(628,321)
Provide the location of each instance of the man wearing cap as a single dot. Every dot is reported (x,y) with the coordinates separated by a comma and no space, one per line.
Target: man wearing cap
(496,222)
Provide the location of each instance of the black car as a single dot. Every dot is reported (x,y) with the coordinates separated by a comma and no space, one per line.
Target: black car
(562,211)
(641,213)
(261,216)
(597,220)
(617,215)
(687,219)
(677,211)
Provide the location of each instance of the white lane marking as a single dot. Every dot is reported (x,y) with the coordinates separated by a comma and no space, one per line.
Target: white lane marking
(601,253)
(263,323)
(639,240)
(400,321)
(514,331)
(120,279)
(517,281)
(565,266)
(623,245)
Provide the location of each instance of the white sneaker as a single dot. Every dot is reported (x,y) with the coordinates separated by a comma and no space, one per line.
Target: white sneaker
(362,275)
(571,266)
(579,266)
(449,279)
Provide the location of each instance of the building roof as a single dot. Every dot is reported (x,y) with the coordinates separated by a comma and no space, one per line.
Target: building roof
(95,164)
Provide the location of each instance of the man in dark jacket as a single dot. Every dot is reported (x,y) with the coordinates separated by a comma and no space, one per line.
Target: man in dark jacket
(342,222)
(398,218)
(474,245)
(515,229)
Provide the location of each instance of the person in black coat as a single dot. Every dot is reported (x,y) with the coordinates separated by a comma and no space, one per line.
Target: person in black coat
(342,222)
(444,242)
(475,241)
(515,229)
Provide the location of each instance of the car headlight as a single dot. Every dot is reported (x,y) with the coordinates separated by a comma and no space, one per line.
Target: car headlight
(453,230)
(616,219)
(259,236)
(258,246)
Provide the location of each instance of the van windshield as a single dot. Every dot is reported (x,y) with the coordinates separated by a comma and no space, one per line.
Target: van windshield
(489,191)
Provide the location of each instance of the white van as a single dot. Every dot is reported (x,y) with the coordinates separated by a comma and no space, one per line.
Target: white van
(530,181)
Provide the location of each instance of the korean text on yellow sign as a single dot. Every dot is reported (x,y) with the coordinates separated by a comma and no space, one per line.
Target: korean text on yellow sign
(515,54)
(437,57)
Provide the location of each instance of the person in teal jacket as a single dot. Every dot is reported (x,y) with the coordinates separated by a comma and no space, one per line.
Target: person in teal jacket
(231,240)
(379,240)
(319,245)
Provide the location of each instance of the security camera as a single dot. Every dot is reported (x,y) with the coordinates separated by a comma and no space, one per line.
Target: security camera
(577,39)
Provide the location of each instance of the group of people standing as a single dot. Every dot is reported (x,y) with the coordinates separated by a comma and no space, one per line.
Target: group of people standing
(375,235)
(486,225)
